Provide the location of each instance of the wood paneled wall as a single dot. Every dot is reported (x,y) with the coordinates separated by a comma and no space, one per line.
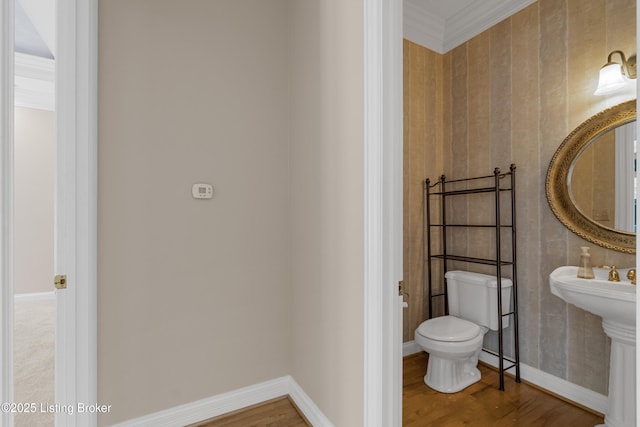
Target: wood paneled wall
(511,95)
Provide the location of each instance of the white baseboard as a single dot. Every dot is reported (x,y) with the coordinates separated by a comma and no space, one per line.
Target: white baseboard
(409,348)
(221,404)
(553,384)
(309,409)
(578,394)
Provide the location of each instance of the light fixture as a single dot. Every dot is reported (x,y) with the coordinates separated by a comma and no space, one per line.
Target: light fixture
(615,76)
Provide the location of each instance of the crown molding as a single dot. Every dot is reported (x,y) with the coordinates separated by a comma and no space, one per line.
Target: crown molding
(478,17)
(442,35)
(34,82)
(422,27)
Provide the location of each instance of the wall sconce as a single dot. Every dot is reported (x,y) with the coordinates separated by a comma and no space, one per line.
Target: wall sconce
(615,76)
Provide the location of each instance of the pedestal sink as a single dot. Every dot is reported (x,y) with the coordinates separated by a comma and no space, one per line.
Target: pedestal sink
(615,302)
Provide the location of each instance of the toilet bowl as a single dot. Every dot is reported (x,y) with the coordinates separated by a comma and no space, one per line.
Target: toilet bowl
(454,342)
(454,346)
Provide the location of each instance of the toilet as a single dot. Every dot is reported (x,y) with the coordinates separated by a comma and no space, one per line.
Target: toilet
(454,342)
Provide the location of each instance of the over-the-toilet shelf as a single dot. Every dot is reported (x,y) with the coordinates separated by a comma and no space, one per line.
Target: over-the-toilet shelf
(439,224)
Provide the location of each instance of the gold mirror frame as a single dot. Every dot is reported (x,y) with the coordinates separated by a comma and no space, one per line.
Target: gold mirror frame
(557,184)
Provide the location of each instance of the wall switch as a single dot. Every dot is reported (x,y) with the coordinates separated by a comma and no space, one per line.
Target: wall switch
(202,191)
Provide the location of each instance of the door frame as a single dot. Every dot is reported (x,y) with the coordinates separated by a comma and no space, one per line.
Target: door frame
(77,65)
(7,17)
(76,206)
(383,212)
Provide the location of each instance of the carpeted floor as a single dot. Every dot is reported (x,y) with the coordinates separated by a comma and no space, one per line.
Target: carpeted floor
(34,359)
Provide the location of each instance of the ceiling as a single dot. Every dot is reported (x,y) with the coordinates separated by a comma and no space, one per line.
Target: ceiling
(442,25)
(35,28)
(35,51)
(439,25)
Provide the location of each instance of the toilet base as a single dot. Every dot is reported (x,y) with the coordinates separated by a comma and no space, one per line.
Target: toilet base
(451,375)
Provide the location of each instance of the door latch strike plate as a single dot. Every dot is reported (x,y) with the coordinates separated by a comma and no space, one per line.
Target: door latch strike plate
(61,281)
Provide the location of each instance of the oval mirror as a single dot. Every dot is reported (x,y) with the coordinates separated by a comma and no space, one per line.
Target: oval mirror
(590,183)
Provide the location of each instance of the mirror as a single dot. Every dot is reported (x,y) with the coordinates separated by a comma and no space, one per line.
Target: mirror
(602,182)
(590,183)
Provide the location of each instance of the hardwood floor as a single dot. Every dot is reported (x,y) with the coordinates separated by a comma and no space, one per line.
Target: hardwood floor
(482,404)
(275,413)
(479,405)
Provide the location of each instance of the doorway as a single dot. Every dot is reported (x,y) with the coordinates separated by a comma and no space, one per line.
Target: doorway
(34,298)
(383,212)
(75,209)
(77,130)
(34,177)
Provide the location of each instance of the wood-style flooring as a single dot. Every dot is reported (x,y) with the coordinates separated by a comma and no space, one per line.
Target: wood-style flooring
(275,413)
(479,405)
(482,404)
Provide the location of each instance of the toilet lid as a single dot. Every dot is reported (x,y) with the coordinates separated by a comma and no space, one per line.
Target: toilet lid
(448,328)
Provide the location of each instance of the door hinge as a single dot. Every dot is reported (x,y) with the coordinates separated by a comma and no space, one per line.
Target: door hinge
(401,291)
(61,281)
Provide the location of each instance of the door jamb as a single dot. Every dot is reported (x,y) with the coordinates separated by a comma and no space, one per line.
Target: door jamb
(7,17)
(383,212)
(77,124)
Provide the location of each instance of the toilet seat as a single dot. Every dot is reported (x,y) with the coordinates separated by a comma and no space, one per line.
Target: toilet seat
(448,329)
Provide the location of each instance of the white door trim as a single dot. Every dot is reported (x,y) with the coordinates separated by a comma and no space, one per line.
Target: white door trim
(383,212)
(76,207)
(6,204)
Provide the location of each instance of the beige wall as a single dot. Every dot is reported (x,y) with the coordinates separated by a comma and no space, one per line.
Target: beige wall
(194,295)
(264,100)
(327,205)
(514,93)
(34,187)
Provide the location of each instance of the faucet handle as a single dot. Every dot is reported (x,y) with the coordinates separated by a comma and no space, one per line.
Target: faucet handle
(631,275)
(614,276)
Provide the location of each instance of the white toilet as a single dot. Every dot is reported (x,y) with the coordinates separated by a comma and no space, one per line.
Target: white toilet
(454,342)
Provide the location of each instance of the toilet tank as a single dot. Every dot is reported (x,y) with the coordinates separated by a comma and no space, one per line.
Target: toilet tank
(472,296)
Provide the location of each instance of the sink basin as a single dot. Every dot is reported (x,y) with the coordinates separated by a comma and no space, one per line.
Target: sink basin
(614,301)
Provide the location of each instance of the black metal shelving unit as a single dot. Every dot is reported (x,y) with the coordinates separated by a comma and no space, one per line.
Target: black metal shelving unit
(495,184)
